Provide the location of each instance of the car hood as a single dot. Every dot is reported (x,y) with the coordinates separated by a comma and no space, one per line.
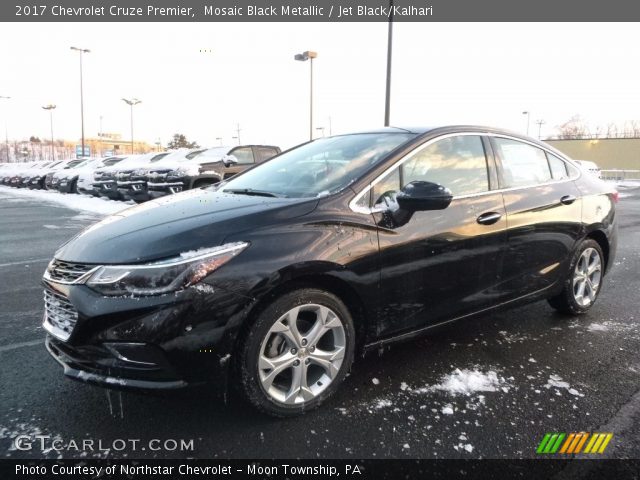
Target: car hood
(172,165)
(175,224)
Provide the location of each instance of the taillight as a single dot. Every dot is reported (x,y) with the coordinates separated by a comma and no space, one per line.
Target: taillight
(615,196)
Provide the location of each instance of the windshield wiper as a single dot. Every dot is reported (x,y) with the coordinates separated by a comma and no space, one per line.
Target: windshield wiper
(250,191)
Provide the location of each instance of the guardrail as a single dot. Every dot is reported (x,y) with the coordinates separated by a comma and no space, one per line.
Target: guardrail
(620,174)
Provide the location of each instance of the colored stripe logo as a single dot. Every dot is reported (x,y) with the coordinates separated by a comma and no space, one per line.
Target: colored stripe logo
(573,443)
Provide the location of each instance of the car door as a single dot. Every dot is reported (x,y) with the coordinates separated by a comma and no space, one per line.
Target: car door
(544,211)
(441,264)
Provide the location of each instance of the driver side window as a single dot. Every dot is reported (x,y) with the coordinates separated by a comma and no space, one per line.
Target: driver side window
(457,163)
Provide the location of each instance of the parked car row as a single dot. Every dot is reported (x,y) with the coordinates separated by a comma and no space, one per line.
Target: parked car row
(137,177)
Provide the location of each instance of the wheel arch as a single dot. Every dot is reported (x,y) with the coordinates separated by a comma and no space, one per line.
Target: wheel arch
(322,281)
(601,238)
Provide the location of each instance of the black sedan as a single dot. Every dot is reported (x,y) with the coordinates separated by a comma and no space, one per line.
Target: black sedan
(272,282)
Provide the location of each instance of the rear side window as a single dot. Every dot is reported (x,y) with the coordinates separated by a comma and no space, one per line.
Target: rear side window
(522,164)
(265,153)
(457,163)
(558,167)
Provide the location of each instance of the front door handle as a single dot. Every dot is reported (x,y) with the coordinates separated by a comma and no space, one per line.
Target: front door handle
(568,199)
(489,218)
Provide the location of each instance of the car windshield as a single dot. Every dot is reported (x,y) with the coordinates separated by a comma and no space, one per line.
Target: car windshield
(73,163)
(317,168)
(111,161)
(158,157)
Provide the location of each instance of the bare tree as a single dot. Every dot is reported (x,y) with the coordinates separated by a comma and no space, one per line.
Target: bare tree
(573,128)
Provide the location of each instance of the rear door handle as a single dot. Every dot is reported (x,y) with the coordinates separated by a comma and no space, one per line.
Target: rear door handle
(489,218)
(568,199)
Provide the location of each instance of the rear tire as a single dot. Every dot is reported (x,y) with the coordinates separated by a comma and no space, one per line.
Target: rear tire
(583,282)
(296,353)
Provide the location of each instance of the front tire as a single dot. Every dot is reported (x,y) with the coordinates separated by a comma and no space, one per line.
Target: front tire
(296,353)
(583,282)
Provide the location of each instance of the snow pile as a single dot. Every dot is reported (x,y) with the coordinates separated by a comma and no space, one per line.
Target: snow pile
(72,201)
(467,382)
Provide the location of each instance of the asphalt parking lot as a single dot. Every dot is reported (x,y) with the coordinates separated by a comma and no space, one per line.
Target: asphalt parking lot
(548,374)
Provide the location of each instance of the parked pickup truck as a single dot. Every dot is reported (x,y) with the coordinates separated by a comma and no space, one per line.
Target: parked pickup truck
(205,167)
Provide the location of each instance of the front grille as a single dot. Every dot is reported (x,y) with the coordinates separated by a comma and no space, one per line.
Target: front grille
(66,271)
(157,177)
(59,315)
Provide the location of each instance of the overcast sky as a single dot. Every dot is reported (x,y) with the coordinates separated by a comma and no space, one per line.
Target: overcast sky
(443,73)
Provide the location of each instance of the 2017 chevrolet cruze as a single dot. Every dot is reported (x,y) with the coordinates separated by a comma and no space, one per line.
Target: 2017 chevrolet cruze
(272,281)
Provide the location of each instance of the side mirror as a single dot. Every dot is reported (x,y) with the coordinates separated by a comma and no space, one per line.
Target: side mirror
(419,195)
(229,160)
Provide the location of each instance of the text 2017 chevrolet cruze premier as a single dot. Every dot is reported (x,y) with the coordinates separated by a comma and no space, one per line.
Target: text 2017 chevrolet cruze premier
(272,281)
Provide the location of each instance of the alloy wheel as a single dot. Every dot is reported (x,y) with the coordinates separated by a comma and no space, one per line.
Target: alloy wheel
(586,277)
(301,354)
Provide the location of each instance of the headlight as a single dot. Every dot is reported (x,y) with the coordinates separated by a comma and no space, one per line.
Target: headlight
(163,277)
(140,172)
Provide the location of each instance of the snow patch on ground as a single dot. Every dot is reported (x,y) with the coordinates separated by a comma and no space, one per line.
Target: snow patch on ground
(18,428)
(72,201)
(467,382)
(512,337)
(467,447)
(626,183)
(383,403)
(447,409)
(464,383)
(556,381)
(597,327)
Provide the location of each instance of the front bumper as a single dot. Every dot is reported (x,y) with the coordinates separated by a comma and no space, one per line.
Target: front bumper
(134,190)
(36,183)
(108,188)
(65,186)
(168,186)
(100,366)
(163,342)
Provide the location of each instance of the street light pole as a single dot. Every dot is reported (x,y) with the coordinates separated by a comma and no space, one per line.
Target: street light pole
(303,57)
(528,114)
(6,129)
(131,103)
(81,51)
(540,123)
(51,107)
(387,99)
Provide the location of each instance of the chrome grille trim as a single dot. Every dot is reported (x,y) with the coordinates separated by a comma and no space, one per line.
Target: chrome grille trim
(60,316)
(67,272)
